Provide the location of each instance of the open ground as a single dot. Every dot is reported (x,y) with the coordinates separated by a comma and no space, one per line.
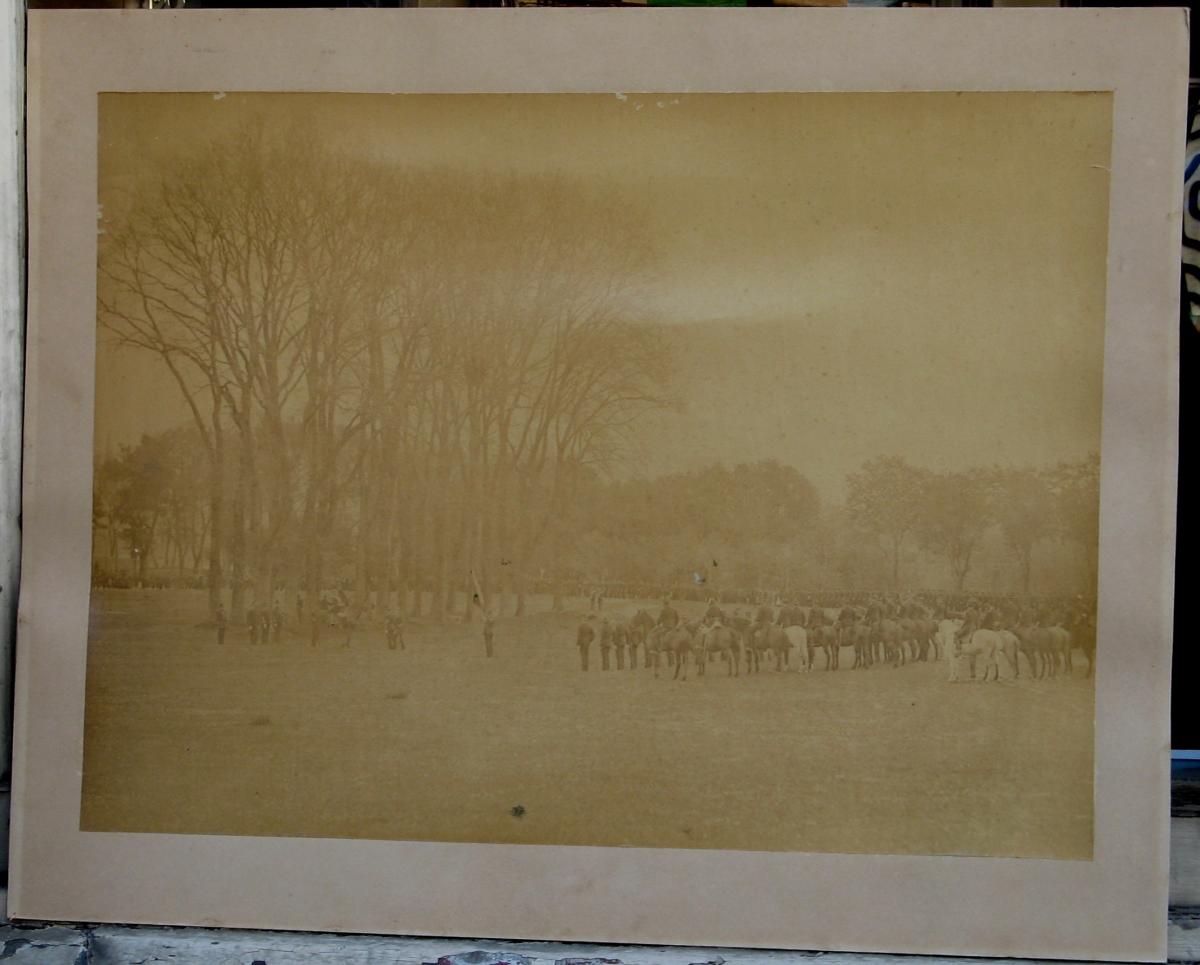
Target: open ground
(438,742)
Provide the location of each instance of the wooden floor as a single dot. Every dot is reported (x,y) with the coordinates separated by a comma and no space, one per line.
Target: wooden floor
(120,945)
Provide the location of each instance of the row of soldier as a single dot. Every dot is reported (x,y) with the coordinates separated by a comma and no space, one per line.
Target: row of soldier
(266,624)
(623,638)
(263,625)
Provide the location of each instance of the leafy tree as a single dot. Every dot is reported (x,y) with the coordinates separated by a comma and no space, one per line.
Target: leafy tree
(1023,505)
(886,497)
(954,516)
(1076,488)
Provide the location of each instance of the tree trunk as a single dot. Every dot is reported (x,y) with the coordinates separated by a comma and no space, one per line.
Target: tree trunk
(468,538)
(216,512)
(421,528)
(441,567)
(961,567)
(366,513)
(237,552)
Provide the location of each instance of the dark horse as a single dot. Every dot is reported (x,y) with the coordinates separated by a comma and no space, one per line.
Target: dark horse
(725,641)
(1083,634)
(676,643)
(640,626)
(824,637)
(771,639)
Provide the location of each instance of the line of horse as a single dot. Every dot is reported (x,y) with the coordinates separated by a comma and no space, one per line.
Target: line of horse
(747,647)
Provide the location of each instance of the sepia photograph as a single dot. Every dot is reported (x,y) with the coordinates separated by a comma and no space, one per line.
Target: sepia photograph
(699,471)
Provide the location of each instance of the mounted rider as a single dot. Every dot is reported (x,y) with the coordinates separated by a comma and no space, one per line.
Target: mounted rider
(972,621)
(668,616)
(668,620)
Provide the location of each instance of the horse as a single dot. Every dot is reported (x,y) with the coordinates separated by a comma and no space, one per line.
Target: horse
(891,634)
(641,624)
(676,643)
(1060,646)
(643,620)
(1037,645)
(725,641)
(910,632)
(754,646)
(858,636)
(1010,646)
(924,631)
(986,644)
(1083,633)
(774,640)
(824,637)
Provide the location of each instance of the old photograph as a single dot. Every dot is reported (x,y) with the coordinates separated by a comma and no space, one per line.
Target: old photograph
(653,470)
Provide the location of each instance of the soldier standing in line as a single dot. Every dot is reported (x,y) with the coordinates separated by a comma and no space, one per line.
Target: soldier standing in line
(394,628)
(252,622)
(277,622)
(583,640)
(606,642)
(620,639)
(220,621)
(264,625)
(489,629)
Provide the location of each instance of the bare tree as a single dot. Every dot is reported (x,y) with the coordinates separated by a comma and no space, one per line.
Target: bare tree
(413,364)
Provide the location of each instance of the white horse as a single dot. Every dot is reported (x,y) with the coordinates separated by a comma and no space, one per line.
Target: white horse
(985,644)
(1010,646)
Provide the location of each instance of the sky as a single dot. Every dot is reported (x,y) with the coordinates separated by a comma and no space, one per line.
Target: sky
(916,273)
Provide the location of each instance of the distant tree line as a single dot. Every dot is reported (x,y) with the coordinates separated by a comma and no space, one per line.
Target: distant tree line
(900,526)
(950,514)
(757,526)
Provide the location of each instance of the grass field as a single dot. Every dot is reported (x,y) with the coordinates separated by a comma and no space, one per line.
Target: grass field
(437,742)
